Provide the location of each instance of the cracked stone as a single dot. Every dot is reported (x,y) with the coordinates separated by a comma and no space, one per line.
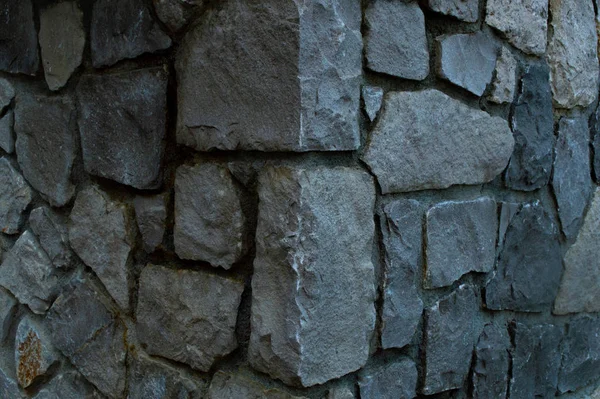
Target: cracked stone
(580,354)
(7,138)
(51,231)
(18,38)
(373,99)
(8,306)
(505,80)
(491,363)
(393,380)
(34,354)
(151,216)
(228,385)
(507,211)
(15,196)
(465,10)
(68,385)
(176,14)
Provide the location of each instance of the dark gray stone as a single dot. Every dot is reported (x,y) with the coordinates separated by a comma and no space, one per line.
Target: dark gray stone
(15,196)
(392,380)
(51,231)
(8,306)
(491,367)
(465,10)
(228,385)
(7,93)
(341,392)
(68,385)
(8,386)
(7,138)
(34,353)
(580,354)
(507,211)
(134,102)
(373,98)
(176,14)
(595,128)
(18,38)
(151,216)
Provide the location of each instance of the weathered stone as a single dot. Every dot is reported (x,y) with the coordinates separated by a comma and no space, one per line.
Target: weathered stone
(15,196)
(124,29)
(187,316)
(426,140)
(491,362)
(209,222)
(451,331)
(18,38)
(465,10)
(572,53)
(34,354)
(7,93)
(97,219)
(8,306)
(396,42)
(340,392)
(580,354)
(467,60)
(7,139)
(227,385)
(533,127)
(393,380)
(402,233)
(461,238)
(68,385)
(6,243)
(313,246)
(507,211)
(305,58)
(595,128)
(505,79)
(373,98)
(46,145)
(524,23)
(176,14)
(8,386)
(51,231)
(151,216)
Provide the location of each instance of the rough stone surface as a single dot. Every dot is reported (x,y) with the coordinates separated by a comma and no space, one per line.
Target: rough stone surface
(7,138)
(46,145)
(124,29)
(373,98)
(51,231)
(132,102)
(572,53)
(467,60)
(524,23)
(396,42)
(176,14)
(461,237)
(34,354)
(15,196)
(151,216)
(18,38)
(209,222)
(595,128)
(394,380)
(505,79)
(465,10)
(427,140)
(8,386)
(491,363)
(507,211)
(340,392)
(227,385)
(313,287)
(68,385)
(246,53)
(580,354)
(187,316)
(7,310)
(62,40)
(7,93)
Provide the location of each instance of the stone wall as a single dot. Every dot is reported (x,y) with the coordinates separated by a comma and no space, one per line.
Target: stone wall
(299,199)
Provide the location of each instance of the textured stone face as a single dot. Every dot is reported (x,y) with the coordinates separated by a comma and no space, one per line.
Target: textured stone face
(15,196)
(394,380)
(51,231)
(18,39)
(465,10)
(7,139)
(122,122)
(581,354)
(34,354)
(427,140)
(69,385)
(7,310)
(187,316)
(151,216)
(176,14)
(373,98)
(595,128)
(7,93)
(396,43)
(491,363)
(8,386)
(313,287)
(340,392)
(226,385)
(271,75)
(504,82)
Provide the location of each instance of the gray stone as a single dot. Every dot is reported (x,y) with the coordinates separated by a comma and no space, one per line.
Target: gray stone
(491,364)
(18,38)
(8,386)
(124,29)
(46,155)
(595,128)
(402,235)
(507,211)
(15,196)
(228,385)
(187,316)
(272,75)
(62,40)
(151,216)
(573,53)
(533,127)
(209,222)
(8,306)
(428,140)
(34,353)
(68,385)
(530,264)
(396,42)
(51,231)
(7,93)
(393,380)
(580,354)
(461,238)
(176,14)
(340,392)
(373,98)
(134,102)
(523,23)
(97,219)
(467,60)
(505,80)
(451,331)
(465,10)
(7,139)
(314,241)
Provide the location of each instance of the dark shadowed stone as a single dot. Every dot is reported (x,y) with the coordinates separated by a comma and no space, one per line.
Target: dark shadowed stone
(491,367)
(7,138)
(507,211)
(7,311)
(124,29)
(176,14)
(151,216)
(7,93)
(51,231)
(15,196)
(227,385)
(402,231)
(391,380)
(187,316)
(395,40)
(373,98)
(465,10)
(18,37)
(461,238)
(34,353)
(271,75)
(68,385)
(505,78)
(132,102)
(580,354)
(8,386)
(533,127)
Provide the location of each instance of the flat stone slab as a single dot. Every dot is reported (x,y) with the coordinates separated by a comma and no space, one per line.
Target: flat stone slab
(34,353)
(580,350)
(392,380)
(491,363)
(151,217)
(373,99)
(53,235)
(18,38)
(14,197)
(504,83)
(229,385)
(68,385)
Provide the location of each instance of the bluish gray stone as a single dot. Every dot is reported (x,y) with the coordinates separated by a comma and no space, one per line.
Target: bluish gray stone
(34,353)
(51,231)
(491,363)
(373,99)
(7,93)
(8,386)
(7,138)
(595,128)
(465,10)
(507,211)
(15,196)
(68,385)
(580,354)
(229,385)
(390,380)
(176,14)
(18,38)
(8,306)
(151,217)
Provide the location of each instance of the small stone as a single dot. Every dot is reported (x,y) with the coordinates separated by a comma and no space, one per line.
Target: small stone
(8,305)
(580,354)
(7,93)
(151,216)
(187,316)
(46,155)
(467,60)
(524,23)
(68,385)
(428,140)
(465,10)
(393,380)
(505,80)
(8,386)
(373,98)
(573,53)
(15,196)
(314,245)
(7,139)
(491,367)
(176,14)
(507,211)
(461,238)
(51,231)
(34,354)
(209,222)
(340,392)
(595,128)
(227,385)
(396,42)
(124,29)
(18,38)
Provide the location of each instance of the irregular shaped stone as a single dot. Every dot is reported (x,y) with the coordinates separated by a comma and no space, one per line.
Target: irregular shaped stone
(176,14)
(461,238)
(580,354)
(68,385)
(18,38)
(51,231)
(491,364)
(123,29)
(529,266)
(313,288)
(373,98)
(505,79)
(523,23)
(134,102)
(7,93)
(187,316)
(533,127)
(427,140)
(465,10)
(243,53)
(340,392)
(227,385)
(451,331)
(8,306)
(8,386)
(507,211)
(34,354)
(572,53)
(95,218)
(393,380)
(402,234)
(15,196)
(595,128)
(396,42)
(151,216)
(46,155)
(209,222)
(7,139)
(467,60)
